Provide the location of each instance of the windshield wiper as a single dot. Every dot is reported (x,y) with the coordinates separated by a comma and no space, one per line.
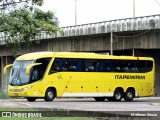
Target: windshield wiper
(15,77)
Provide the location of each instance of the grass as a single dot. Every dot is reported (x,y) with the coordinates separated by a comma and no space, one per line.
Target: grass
(50,118)
(18,109)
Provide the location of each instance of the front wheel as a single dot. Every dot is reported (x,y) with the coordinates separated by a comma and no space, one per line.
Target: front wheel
(129,95)
(49,95)
(31,99)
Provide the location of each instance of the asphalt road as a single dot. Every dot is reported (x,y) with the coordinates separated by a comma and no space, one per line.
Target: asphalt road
(147,108)
(86,104)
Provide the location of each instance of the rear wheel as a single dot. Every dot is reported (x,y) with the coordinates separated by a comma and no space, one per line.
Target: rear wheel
(118,95)
(31,99)
(49,95)
(99,99)
(129,95)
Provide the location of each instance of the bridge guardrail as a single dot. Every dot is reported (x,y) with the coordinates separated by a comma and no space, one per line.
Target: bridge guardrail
(119,25)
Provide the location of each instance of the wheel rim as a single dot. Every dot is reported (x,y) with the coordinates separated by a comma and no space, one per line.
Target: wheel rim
(50,95)
(118,96)
(130,95)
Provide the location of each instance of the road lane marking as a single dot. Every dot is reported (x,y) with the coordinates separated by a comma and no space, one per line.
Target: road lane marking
(26,104)
(155,104)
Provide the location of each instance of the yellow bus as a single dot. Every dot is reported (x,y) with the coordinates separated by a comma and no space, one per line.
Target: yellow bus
(72,74)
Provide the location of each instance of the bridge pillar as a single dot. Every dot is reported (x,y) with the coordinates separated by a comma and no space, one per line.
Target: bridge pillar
(4,60)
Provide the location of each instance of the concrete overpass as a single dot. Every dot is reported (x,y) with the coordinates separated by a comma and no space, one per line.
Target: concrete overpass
(131,36)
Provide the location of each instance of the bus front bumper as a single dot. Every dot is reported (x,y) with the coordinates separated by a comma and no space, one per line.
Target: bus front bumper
(27,91)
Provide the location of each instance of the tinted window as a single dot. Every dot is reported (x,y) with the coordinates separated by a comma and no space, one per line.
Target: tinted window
(89,65)
(39,70)
(61,64)
(93,65)
(144,66)
(55,66)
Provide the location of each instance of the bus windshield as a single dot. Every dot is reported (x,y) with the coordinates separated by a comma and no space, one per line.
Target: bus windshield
(18,74)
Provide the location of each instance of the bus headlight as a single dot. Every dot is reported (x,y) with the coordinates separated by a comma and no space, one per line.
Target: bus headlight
(20,90)
(26,88)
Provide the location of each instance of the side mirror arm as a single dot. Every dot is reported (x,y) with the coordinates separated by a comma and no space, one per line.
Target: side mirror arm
(7,66)
(28,68)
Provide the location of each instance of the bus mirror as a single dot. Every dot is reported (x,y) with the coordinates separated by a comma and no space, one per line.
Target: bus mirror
(28,68)
(7,66)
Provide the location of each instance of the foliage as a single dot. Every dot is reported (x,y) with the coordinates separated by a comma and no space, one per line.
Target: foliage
(21,25)
(37,2)
(152,23)
(34,2)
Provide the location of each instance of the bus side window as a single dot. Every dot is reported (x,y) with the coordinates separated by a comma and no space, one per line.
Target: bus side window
(81,65)
(148,66)
(97,66)
(78,65)
(35,74)
(125,66)
(107,66)
(55,66)
(116,66)
(89,66)
(140,64)
(144,66)
(65,65)
(102,65)
(133,66)
(39,70)
(72,65)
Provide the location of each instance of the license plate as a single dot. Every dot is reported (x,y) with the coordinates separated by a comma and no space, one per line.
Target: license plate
(15,94)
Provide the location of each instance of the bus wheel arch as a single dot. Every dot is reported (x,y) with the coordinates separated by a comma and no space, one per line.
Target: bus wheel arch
(50,94)
(129,94)
(118,94)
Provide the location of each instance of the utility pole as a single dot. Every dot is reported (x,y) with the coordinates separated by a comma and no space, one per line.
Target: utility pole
(134,20)
(111,50)
(133,8)
(75,12)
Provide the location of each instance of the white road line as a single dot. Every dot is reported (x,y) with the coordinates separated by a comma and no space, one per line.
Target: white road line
(25,104)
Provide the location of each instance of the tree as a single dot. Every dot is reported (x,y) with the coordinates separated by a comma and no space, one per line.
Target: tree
(20,26)
(7,3)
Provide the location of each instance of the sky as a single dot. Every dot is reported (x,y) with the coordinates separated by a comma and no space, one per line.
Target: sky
(90,11)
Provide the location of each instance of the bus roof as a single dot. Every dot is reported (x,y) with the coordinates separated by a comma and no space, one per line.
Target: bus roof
(37,55)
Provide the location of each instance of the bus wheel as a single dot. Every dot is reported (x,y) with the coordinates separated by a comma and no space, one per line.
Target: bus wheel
(129,95)
(118,94)
(31,99)
(49,95)
(99,99)
(110,99)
